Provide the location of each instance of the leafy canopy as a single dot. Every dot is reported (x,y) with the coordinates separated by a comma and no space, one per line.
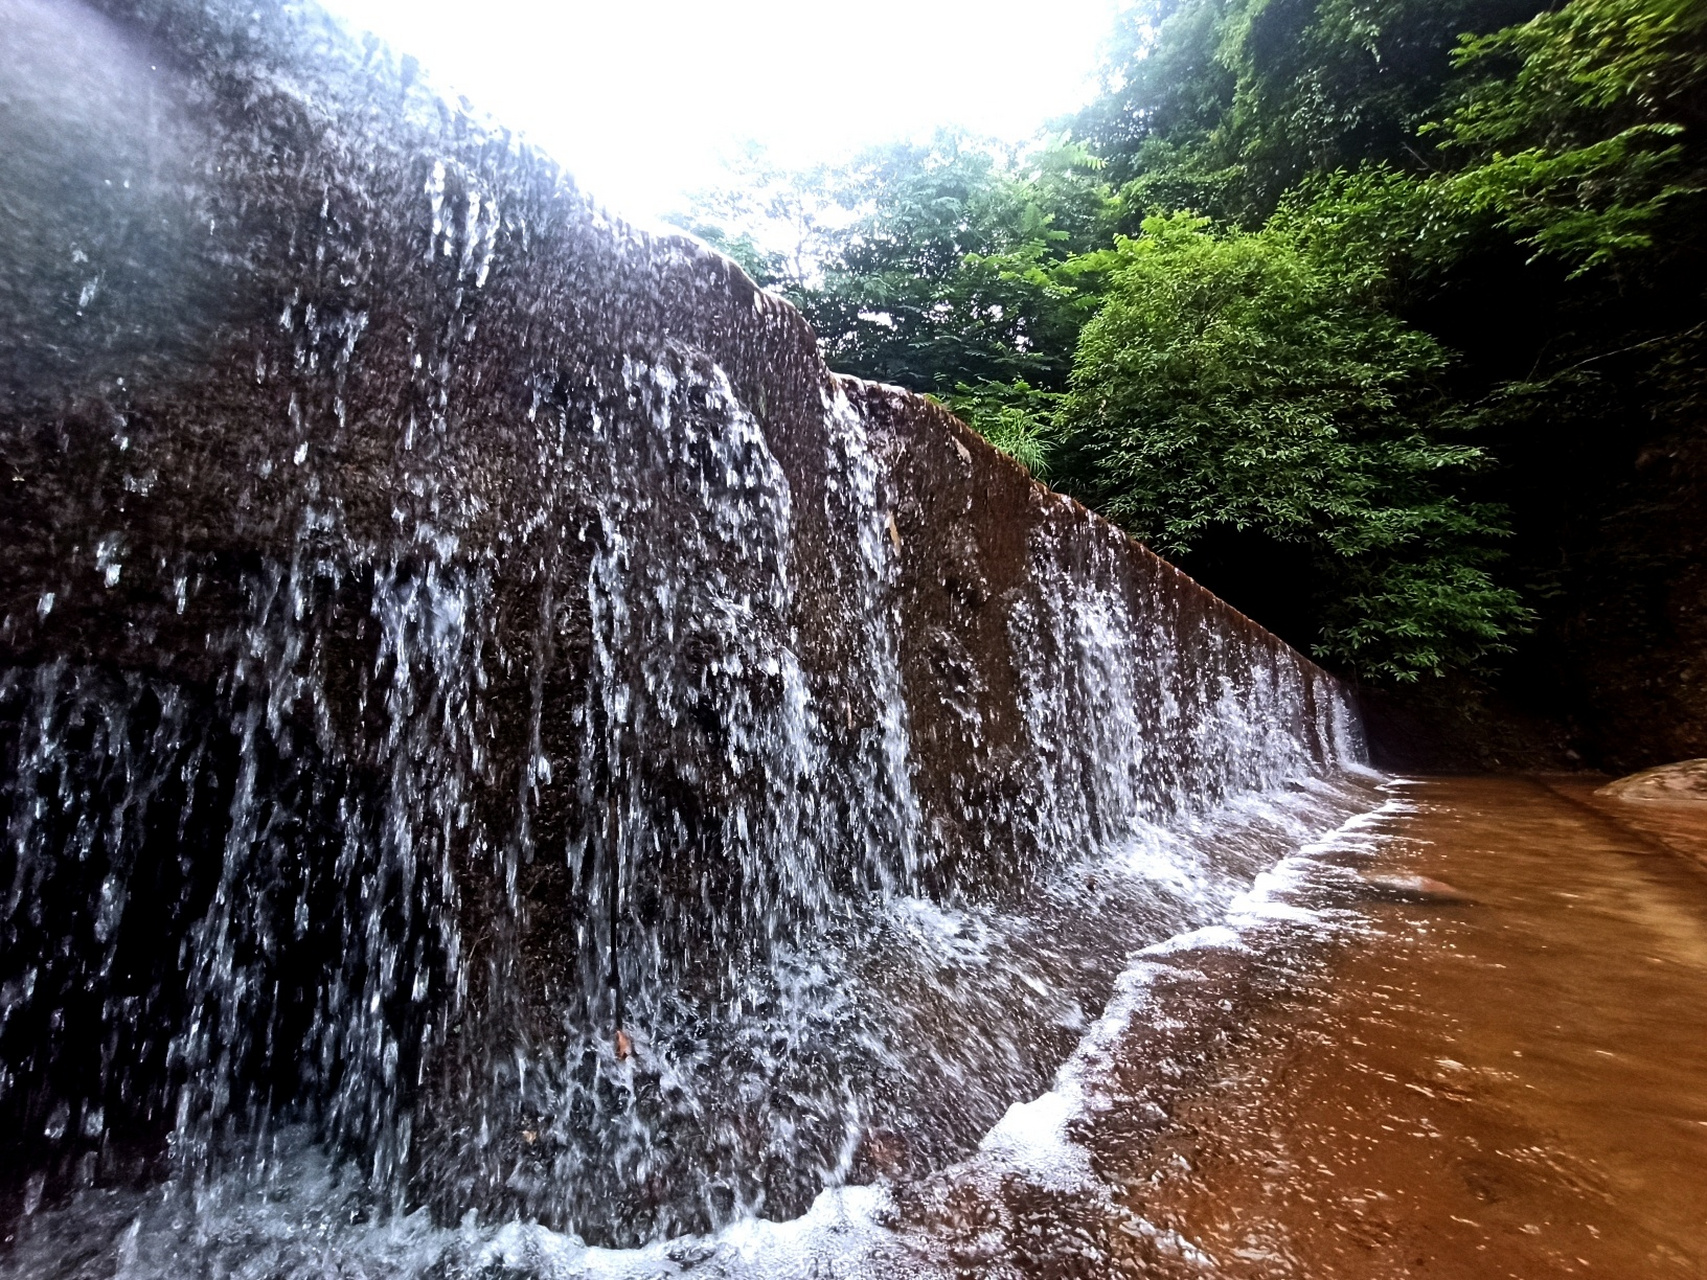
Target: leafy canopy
(1252,381)
(1357,308)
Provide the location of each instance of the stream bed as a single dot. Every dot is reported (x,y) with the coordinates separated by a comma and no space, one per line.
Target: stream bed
(1511,1085)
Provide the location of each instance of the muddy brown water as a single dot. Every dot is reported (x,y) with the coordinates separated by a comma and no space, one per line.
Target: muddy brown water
(1511,1085)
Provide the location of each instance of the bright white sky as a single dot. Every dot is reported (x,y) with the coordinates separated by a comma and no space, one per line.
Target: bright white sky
(640,100)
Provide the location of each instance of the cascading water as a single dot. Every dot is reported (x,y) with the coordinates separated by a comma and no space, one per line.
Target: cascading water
(491,730)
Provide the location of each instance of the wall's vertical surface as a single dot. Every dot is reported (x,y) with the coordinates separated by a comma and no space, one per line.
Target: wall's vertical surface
(439,623)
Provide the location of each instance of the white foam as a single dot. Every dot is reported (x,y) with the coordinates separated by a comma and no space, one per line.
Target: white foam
(1034,1138)
(843,1228)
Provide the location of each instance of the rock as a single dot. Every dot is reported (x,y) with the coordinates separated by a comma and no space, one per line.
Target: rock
(1682,783)
(433,611)
(1407,887)
(882,1153)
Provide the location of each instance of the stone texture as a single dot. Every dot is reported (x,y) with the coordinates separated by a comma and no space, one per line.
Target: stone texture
(1684,782)
(411,579)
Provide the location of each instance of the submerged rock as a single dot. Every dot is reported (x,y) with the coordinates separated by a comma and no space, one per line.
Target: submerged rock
(1409,887)
(1682,783)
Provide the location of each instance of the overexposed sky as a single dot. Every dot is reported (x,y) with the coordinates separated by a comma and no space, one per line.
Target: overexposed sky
(640,100)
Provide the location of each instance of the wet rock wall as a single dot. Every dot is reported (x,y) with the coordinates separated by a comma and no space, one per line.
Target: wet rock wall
(441,624)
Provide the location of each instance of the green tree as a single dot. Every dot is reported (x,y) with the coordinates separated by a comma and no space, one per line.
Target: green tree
(1023,421)
(946,273)
(1248,384)
(1221,106)
(1453,283)
(1595,142)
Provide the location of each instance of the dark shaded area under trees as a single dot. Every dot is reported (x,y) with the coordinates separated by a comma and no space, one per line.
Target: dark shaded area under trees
(1385,320)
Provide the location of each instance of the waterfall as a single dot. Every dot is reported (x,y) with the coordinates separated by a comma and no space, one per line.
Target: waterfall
(490,725)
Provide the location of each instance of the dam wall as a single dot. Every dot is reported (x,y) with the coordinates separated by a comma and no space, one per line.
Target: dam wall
(465,662)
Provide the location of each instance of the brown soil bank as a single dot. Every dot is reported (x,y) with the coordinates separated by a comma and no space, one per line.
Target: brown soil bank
(1511,1086)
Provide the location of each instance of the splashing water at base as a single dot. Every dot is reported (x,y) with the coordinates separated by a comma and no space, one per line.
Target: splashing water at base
(957,1017)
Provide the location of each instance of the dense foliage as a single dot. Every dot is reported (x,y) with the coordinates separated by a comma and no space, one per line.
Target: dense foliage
(1250,383)
(1366,311)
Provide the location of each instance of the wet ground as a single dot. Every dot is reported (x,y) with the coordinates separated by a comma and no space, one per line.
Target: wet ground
(1462,1036)
(1512,1084)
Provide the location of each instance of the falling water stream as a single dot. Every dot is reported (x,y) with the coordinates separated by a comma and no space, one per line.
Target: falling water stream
(505,761)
